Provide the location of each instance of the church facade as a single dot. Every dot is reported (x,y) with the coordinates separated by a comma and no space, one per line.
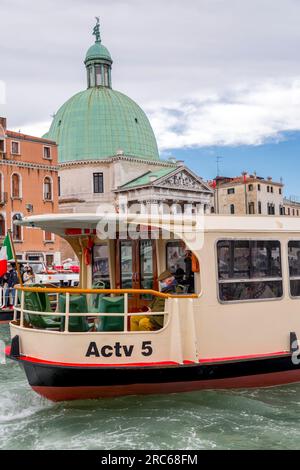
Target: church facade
(108,155)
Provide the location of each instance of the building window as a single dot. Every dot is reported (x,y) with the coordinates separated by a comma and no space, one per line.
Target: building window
(15,148)
(91,77)
(2,145)
(2,226)
(58,186)
(251,208)
(249,270)
(272,189)
(231,191)
(250,187)
(16,229)
(232,209)
(281,210)
(289,211)
(16,186)
(268,189)
(280,191)
(49,260)
(258,187)
(47,189)
(271,209)
(98,183)
(2,195)
(259,207)
(98,75)
(48,237)
(47,153)
(106,76)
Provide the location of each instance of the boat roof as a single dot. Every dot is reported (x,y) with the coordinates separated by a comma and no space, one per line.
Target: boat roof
(58,223)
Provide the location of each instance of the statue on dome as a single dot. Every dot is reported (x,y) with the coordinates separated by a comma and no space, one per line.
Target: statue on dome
(96,31)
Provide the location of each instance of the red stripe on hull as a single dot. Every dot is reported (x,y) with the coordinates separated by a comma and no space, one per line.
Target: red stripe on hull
(251,381)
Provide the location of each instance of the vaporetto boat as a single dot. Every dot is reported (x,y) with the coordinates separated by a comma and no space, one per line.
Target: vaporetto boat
(232,319)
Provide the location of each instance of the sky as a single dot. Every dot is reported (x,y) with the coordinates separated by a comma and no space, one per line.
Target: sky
(215,77)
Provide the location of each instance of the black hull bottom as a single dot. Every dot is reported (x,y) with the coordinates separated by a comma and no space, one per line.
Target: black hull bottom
(62,382)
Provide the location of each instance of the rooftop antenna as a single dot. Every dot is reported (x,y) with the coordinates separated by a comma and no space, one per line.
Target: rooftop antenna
(218,160)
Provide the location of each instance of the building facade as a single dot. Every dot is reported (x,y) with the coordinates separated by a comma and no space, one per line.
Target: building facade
(28,186)
(291,207)
(248,195)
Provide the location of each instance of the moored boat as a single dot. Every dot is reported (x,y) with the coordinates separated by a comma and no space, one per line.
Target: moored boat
(229,320)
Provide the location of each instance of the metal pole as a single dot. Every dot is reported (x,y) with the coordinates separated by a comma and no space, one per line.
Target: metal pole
(67,311)
(126,312)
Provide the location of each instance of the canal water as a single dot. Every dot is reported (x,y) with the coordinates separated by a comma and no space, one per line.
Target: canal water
(245,419)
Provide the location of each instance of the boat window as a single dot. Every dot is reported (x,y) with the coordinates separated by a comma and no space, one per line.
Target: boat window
(127,277)
(249,270)
(146,264)
(101,267)
(294,267)
(181,262)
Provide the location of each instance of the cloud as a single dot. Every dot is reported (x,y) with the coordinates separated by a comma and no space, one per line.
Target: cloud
(250,114)
(208,72)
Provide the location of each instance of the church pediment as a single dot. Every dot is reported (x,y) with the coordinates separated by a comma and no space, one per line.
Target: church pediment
(183,179)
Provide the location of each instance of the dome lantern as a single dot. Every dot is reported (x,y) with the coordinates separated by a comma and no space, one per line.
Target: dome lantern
(98,62)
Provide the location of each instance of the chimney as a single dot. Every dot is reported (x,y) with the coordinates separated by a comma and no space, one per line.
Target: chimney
(3,122)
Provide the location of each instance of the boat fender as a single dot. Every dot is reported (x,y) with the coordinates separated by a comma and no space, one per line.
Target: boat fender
(15,346)
(294,345)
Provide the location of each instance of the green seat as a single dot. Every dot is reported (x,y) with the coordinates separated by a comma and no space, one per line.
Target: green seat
(39,302)
(78,304)
(111,305)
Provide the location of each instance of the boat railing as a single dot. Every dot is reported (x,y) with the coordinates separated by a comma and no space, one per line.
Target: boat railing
(64,318)
(2,296)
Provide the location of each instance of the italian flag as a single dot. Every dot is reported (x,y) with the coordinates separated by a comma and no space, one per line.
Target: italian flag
(6,254)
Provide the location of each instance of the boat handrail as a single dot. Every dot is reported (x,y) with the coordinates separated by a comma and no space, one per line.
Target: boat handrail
(2,296)
(66,314)
(75,290)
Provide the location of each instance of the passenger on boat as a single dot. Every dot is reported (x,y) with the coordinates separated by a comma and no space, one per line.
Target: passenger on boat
(28,276)
(168,285)
(12,280)
(260,290)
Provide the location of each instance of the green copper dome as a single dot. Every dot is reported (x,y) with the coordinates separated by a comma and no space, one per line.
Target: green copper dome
(96,123)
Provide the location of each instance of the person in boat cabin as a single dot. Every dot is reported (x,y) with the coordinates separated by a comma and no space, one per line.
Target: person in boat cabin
(260,291)
(167,285)
(28,276)
(295,265)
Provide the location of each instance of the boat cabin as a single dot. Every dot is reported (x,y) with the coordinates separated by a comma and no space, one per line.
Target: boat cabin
(234,292)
